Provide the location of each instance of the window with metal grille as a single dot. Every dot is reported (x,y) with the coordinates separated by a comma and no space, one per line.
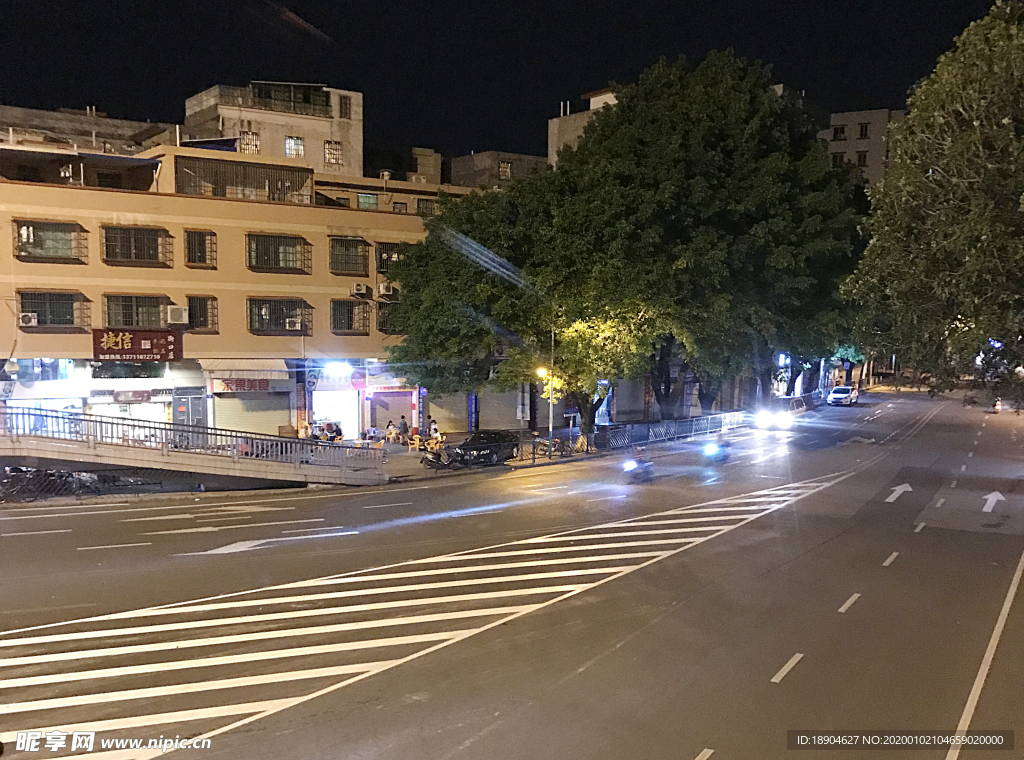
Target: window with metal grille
(202,314)
(864,128)
(350,256)
(385,320)
(279,253)
(50,241)
(248,142)
(135,311)
(201,249)
(334,152)
(278,316)
(839,132)
(366,200)
(293,147)
(235,179)
(388,254)
(426,207)
(504,170)
(400,207)
(345,106)
(146,246)
(308,99)
(61,310)
(350,317)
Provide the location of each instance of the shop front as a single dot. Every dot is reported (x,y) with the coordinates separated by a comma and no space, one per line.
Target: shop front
(358,398)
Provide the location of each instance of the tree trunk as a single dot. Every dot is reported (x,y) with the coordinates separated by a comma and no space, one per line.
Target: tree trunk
(707,392)
(588,409)
(667,391)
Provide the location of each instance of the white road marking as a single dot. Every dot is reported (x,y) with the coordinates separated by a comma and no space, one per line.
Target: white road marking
(849,603)
(114,546)
(939,503)
(919,528)
(970,454)
(975,442)
(222,519)
(777,678)
(607,498)
(218,528)
(35,532)
(953,484)
(986,660)
(549,488)
(983,424)
(897,492)
(705,754)
(889,561)
(321,528)
(963,468)
(381,506)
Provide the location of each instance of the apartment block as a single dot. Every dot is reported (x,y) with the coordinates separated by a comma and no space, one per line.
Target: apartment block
(860,138)
(568,127)
(492,169)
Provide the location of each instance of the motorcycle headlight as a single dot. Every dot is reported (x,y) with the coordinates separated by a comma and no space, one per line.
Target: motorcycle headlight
(629,465)
(711,449)
(784,420)
(763,419)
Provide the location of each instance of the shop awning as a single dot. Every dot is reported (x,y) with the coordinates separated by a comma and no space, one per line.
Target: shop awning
(252,369)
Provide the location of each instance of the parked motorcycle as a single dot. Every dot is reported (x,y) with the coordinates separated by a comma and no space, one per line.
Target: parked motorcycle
(442,458)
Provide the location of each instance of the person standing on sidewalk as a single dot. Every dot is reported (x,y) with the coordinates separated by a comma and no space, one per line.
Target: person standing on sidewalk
(403,430)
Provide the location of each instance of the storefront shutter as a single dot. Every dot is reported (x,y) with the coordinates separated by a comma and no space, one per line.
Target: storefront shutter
(252,412)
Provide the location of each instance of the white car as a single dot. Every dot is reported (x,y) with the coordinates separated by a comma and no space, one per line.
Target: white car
(842,395)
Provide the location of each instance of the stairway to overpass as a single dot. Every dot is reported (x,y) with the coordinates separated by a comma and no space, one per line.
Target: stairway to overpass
(228,458)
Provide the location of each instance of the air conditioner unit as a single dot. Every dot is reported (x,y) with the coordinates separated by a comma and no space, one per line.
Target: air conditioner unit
(28,319)
(294,325)
(362,289)
(386,289)
(420,178)
(177,315)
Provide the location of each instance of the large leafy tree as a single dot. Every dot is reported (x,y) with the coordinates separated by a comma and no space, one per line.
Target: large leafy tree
(943,269)
(699,218)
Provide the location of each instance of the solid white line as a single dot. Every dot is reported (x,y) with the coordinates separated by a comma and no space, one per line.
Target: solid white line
(380,506)
(155,719)
(606,498)
(191,688)
(939,503)
(218,528)
(705,754)
(231,659)
(113,546)
(892,556)
(321,528)
(35,532)
(777,678)
(551,488)
(986,661)
(220,519)
(919,528)
(849,603)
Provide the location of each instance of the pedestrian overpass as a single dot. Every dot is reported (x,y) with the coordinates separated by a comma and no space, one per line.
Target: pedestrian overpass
(217,458)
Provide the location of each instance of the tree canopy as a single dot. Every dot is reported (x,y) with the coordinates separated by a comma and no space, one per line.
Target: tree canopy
(698,217)
(942,271)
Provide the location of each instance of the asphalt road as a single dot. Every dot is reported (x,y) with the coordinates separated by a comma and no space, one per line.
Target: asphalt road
(859,572)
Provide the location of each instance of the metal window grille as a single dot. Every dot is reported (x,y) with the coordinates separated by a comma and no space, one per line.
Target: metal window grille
(275,316)
(202,313)
(400,207)
(134,311)
(137,245)
(345,106)
(350,256)
(366,200)
(248,142)
(310,100)
(334,152)
(388,254)
(294,147)
(234,179)
(350,317)
(385,319)
(279,253)
(426,207)
(864,130)
(504,170)
(50,241)
(201,248)
(56,309)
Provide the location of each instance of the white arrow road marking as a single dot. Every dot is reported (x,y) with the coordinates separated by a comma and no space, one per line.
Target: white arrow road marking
(991,499)
(217,528)
(897,492)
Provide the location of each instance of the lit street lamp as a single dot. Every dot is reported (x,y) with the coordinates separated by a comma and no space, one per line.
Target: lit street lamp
(551,406)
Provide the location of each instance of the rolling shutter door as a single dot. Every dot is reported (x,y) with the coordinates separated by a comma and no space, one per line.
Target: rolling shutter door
(252,412)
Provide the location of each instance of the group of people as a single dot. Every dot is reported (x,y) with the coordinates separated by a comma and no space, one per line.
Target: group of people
(400,432)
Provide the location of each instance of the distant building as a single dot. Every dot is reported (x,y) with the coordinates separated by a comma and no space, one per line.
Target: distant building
(860,138)
(568,128)
(320,125)
(493,168)
(85,130)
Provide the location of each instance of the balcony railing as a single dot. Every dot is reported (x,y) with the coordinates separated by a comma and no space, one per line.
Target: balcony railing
(281,98)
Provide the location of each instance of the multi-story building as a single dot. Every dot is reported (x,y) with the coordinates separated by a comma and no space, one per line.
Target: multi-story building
(204,284)
(320,125)
(494,169)
(859,138)
(568,128)
(85,130)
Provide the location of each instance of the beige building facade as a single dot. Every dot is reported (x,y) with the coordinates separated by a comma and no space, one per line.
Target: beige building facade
(860,138)
(568,128)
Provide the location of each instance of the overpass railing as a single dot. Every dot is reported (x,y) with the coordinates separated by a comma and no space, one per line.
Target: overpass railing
(166,437)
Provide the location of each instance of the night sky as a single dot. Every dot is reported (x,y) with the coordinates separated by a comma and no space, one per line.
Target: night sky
(455,76)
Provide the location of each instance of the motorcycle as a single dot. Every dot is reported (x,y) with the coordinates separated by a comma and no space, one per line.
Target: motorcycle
(441,459)
(638,470)
(716,453)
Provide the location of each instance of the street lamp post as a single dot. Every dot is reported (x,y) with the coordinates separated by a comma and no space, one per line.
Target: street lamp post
(551,406)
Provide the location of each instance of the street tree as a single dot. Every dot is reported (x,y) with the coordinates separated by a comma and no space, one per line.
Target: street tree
(942,272)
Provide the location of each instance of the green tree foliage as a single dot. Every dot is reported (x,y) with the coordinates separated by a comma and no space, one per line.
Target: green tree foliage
(698,218)
(943,269)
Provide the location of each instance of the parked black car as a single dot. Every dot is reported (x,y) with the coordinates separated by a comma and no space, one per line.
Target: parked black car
(487,447)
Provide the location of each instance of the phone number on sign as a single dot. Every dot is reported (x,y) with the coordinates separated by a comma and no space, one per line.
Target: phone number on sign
(898,739)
